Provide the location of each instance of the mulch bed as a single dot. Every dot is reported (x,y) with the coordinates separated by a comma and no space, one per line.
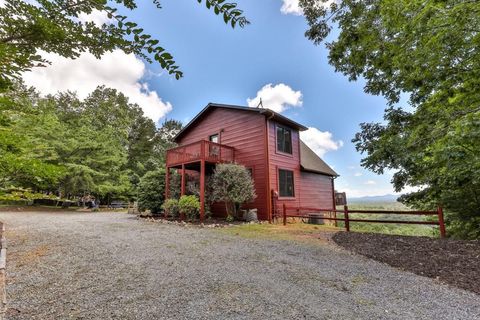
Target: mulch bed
(455,262)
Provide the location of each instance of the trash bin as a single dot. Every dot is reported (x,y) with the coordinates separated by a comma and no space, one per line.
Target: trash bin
(315,219)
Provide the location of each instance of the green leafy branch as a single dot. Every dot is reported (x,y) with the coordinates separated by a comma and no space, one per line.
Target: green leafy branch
(231,14)
(55,26)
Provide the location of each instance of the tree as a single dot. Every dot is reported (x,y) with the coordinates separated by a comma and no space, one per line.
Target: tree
(435,149)
(59,144)
(164,139)
(233,185)
(26,159)
(429,51)
(151,194)
(414,46)
(29,28)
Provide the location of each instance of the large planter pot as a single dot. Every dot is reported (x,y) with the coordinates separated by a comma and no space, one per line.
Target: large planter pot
(251,215)
(313,219)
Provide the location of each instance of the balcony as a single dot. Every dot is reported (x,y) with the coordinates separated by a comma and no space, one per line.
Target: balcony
(207,151)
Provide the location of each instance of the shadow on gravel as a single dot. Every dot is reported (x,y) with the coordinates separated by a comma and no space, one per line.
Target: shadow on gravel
(455,262)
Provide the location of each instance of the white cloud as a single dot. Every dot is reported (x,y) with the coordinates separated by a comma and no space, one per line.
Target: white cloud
(293,7)
(96,16)
(115,70)
(370,182)
(320,141)
(277,97)
(358,174)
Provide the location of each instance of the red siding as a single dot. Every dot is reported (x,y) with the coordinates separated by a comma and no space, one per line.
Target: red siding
(316,191)
(311,189)
(245,131)
(280,160)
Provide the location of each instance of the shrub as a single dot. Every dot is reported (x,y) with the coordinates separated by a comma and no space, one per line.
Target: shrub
(151,191)
(233,185)
(171,207)
(175,184)
(193,187)
(190,206)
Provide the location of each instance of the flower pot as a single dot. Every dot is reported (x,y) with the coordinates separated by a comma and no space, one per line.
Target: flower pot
(252,215)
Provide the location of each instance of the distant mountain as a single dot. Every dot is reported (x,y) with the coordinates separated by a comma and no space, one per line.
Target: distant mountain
(384,198)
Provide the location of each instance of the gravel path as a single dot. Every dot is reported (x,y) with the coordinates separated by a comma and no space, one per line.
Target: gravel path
(113,266)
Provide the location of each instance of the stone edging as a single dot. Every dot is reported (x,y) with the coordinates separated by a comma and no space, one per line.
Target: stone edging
(3,265)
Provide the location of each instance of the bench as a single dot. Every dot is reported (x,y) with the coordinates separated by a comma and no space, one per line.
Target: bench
(118,205)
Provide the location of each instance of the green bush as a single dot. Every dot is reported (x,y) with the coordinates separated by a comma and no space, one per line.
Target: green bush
(151,191)
(233,185)
(193,187)
(171,207)
(190,206)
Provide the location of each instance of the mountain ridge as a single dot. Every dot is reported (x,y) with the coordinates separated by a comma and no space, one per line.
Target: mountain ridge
(383,198)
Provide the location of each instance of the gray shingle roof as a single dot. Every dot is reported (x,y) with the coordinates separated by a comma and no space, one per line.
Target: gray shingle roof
(309,161)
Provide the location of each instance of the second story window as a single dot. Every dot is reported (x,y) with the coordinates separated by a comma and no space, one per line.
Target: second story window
(284,140)
(214,138)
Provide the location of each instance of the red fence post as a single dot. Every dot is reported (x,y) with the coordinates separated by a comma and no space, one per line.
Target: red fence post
(347,222)
(167,183)
(441,222)
(284,214)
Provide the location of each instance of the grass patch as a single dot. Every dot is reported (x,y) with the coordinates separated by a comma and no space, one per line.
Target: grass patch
(295,231)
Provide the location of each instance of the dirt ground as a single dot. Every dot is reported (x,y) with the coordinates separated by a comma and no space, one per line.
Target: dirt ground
(450,261)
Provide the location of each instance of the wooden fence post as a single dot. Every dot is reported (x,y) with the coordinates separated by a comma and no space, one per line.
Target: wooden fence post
(441,222)
(284,214)
(347,222)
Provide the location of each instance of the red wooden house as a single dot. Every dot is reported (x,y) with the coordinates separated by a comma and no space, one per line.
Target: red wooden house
(284,169)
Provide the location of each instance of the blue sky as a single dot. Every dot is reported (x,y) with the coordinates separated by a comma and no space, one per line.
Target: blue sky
(229,66)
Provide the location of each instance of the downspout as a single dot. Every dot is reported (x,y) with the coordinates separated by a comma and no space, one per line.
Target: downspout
(333,198)
(267,159)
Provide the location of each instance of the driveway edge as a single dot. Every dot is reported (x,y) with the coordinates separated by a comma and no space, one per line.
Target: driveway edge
(3,265)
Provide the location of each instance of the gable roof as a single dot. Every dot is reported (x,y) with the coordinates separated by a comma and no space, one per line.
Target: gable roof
(264,111)
(309,161)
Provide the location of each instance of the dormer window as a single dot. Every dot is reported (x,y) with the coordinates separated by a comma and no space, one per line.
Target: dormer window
(284,139)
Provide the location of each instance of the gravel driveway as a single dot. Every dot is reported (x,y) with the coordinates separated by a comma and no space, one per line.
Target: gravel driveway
(113,266)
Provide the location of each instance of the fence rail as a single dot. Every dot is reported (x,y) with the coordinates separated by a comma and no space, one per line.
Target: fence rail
(305,212)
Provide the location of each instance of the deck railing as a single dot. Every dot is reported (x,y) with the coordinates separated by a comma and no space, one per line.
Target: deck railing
(303,212)
(200,150)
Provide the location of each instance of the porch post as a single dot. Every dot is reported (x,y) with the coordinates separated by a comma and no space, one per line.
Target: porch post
(167,183)
(182,189)
(202,190)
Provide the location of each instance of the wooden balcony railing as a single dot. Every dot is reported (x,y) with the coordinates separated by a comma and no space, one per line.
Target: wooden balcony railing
(201,150)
